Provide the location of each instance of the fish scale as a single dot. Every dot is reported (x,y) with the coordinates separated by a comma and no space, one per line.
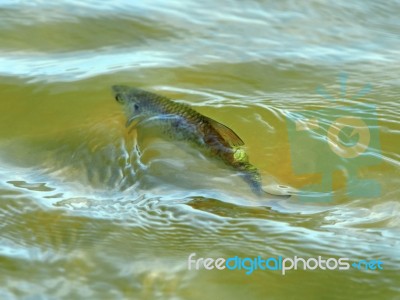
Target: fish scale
(181,122)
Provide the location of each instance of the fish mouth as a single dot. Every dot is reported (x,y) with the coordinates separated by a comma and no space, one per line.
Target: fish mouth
(120,93)
(117,92)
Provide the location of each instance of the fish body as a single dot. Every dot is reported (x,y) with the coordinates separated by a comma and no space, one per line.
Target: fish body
(181,122)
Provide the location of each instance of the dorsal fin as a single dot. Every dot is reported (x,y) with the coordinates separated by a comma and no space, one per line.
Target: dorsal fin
(227,134)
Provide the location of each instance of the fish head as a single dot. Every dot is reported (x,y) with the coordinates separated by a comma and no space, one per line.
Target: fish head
(138,104)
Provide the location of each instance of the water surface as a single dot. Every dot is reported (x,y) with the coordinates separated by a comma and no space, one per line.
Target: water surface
(90,210)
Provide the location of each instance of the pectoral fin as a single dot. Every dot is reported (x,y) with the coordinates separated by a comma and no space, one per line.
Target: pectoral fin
(227,134)
(134,118)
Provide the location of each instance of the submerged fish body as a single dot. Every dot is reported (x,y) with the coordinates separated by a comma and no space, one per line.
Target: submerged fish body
(181,122)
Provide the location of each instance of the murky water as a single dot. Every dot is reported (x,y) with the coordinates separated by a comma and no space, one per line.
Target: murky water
(90,210)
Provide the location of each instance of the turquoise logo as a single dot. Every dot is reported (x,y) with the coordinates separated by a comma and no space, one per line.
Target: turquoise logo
(341,138)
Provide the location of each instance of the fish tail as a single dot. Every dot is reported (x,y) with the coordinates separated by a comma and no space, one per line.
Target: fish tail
(252,176)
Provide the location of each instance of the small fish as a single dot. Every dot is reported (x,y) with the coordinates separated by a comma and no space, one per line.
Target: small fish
(181,122)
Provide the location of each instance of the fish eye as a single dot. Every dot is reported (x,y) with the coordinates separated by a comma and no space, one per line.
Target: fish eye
(136,107)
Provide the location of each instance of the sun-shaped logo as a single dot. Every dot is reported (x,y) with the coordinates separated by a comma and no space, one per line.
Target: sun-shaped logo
(336,138)
(348,136)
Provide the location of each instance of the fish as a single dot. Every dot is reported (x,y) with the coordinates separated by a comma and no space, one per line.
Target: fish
(181,122)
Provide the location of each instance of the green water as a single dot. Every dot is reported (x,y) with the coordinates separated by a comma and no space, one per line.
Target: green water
(91,211)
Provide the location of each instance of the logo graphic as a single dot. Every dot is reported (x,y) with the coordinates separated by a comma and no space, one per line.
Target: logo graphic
(336,138)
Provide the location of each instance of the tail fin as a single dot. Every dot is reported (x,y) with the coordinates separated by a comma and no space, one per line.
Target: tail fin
(252,176)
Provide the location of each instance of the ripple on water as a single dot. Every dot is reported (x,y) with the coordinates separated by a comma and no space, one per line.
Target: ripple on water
(84,213)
